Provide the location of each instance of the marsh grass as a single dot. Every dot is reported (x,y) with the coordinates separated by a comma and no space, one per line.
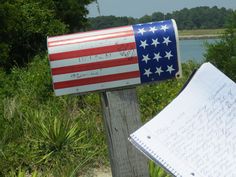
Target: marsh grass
(201,32)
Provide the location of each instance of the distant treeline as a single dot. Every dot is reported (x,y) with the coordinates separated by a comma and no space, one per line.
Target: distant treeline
(194,18)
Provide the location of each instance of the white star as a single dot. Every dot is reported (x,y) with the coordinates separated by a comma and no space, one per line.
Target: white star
(141,31)
(147,72)
(143,44)
(153,29)
(157,56)
(159,70)
(164,27)
(145,58)
(155,42)
(166,40)
(170,69)
(168,55)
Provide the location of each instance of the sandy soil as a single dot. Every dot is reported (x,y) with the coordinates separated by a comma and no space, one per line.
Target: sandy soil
(98,172)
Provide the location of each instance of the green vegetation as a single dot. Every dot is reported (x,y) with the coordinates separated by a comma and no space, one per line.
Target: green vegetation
(25,25)
(223,53)
(156,171)
(58,135)
(43,135)
(41,132)
(201,17)
(194,18)
(197,32)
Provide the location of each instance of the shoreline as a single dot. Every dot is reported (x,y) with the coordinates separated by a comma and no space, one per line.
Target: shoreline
(195,37)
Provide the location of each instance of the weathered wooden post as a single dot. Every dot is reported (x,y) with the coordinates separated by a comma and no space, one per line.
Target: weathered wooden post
(117,58)
(122,117)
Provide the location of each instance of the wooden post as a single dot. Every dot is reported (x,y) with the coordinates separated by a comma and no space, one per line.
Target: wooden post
(122,117)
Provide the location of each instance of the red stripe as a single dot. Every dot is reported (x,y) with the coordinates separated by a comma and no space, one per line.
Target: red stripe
(87,32)
(101,37)
(95,65)
(92,51)
(95,80)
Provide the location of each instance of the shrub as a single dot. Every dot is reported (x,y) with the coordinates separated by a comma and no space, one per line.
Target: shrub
(223,53)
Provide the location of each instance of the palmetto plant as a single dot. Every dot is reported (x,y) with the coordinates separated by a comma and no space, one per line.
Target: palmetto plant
(22,173)
(58,135)
(57,142)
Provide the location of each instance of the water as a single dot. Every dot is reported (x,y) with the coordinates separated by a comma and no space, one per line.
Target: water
(193,49)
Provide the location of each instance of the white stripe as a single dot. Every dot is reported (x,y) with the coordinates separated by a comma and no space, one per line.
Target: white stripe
(89,38)
(100,86)
(90,44)
(95,73)
(91,33)
(93,58)
(179,73)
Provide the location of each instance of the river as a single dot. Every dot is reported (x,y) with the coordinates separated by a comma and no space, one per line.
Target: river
(193,49)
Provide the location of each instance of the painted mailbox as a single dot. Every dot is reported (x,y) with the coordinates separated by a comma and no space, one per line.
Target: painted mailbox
(115,57)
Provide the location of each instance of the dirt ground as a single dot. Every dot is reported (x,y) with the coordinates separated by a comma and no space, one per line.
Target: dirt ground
(98,172)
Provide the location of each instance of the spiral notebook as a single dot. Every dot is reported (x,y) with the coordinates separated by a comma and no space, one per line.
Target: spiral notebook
(195,135)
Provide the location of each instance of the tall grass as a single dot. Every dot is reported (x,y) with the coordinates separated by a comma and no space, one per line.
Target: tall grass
(44,135)
(41,132)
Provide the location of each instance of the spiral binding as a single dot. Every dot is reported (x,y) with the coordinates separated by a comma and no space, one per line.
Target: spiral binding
(143,147)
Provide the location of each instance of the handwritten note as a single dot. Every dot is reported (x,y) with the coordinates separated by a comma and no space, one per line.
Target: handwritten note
(206,137)
(199,127)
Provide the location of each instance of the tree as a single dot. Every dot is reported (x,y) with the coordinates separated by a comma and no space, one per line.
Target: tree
(72,12)
(145,19)
(200,17)
(223,53)
(103,22)
(157,16)
(24,28)
(25,25)
(194,18)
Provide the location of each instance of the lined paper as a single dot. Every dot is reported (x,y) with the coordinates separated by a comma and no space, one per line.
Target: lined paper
(196,133)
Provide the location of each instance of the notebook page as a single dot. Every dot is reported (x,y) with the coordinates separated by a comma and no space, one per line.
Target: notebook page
(198,128)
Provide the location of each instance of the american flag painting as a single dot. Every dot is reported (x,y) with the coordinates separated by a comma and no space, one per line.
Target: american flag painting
(115,57)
